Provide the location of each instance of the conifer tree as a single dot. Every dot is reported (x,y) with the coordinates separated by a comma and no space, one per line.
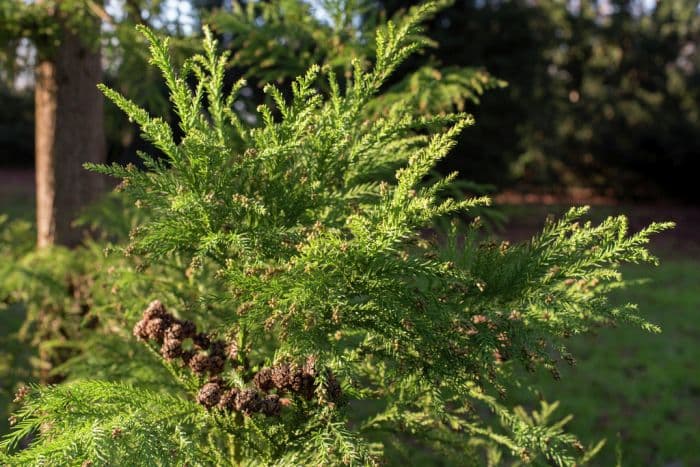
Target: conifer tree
(287,308)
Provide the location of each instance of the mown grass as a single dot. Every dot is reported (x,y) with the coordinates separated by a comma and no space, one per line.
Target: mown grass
(639,391)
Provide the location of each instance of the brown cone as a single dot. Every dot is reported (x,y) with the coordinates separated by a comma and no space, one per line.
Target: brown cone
(188,329)
(175,331)
(171,349)
(270,405)
(263,379)
(140,331)
(155,310)
(209,395)
(296,379)
(201,341)
(228,400)
(155,329)
(199,363)
(281,377)
(333,389)
(218,348)
(187,355)
(216,364)
(308,386)
(248,401)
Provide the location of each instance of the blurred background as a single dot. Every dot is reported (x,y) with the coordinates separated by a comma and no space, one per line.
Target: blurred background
(576,102)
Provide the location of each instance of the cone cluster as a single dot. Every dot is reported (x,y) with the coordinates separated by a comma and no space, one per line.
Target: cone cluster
(269,387)
(216,394)
(288,378)
(207,356)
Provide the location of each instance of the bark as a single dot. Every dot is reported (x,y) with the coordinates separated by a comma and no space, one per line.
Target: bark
(69,131)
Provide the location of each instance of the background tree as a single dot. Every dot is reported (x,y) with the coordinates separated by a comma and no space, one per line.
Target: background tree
(49,289)
(600,93)
(69,120)
(70,39)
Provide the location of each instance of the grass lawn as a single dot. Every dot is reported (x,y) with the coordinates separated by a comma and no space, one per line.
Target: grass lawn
(640,391)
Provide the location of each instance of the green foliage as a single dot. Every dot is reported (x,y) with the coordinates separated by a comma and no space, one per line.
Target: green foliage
(277,41)
(128,419)
(46,22)
(432,90)
(53,291)
(305,236)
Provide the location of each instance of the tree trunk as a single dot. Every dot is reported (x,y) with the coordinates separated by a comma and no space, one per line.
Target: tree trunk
(69,132)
